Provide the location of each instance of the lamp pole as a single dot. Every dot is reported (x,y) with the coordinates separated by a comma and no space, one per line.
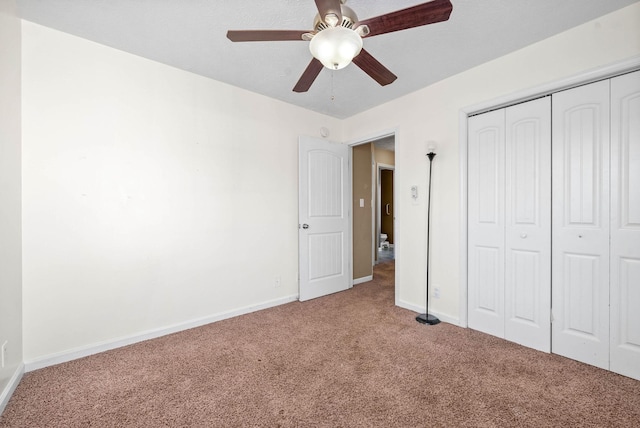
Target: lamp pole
(426,318)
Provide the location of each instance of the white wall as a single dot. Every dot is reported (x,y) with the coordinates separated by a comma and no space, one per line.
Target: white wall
(432,114)
(152,197)
(10,188)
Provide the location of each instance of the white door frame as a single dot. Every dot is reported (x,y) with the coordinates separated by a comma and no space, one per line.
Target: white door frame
(366,139)
(600,73)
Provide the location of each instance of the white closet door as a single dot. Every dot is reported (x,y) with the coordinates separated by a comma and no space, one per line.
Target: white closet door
(528,224)
(625,225)
(486,223)
(580,224)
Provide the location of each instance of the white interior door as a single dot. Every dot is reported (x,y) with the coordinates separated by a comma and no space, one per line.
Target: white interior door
(625,225)
(324,239)
(486,226)
(528,224)
(580,224)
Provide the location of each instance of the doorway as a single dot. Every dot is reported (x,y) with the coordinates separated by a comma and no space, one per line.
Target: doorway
(374,241)
(385,231)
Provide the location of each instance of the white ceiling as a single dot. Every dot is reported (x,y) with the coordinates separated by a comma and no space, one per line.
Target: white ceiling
(191,35)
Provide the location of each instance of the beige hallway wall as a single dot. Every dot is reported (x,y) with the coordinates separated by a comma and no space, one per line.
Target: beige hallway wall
(362,216)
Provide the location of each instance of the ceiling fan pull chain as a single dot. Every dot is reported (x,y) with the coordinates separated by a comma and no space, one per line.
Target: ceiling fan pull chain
(333,97)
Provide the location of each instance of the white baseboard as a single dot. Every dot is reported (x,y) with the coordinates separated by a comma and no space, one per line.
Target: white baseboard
(363,279)
(419,310)
(6,394)
(85,351)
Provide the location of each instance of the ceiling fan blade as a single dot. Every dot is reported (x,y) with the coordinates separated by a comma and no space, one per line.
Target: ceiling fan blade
(415,16)
(373,68)
(326,7)
(309,76)
(264,35)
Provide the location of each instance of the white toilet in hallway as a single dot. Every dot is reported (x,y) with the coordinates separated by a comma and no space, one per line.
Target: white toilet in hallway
(383,241)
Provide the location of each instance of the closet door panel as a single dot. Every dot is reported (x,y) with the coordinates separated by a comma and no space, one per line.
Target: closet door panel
(486,223)
(625,225)
(580,224)
(528,224)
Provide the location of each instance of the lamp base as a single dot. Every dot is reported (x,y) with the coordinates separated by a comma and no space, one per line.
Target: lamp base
(427,319)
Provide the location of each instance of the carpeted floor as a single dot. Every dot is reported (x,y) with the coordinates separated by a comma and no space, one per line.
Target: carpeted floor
(351,359)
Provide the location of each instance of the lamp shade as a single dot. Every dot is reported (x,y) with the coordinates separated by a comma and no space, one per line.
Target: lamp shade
(335,47)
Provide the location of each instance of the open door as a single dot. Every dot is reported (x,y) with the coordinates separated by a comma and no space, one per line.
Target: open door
(323,214)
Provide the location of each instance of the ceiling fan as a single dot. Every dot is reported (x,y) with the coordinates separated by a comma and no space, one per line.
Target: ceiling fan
(336,38)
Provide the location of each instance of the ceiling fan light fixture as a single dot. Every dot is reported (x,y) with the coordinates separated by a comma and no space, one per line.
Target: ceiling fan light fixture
(335,47)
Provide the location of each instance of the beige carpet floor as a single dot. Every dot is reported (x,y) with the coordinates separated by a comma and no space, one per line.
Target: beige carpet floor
(351,359)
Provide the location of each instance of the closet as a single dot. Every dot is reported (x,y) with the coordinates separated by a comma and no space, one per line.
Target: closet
(554,223)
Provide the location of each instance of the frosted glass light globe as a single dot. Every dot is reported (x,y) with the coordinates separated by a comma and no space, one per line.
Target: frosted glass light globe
(335,47)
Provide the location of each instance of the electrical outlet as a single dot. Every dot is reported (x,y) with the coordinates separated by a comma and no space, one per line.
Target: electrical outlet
(436,292)
(3,353)
(277,282)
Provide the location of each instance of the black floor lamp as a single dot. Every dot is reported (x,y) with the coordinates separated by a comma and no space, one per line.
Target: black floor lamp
(426,318)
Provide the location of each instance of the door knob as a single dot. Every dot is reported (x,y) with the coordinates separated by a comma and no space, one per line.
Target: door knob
(523,235)
(305,226)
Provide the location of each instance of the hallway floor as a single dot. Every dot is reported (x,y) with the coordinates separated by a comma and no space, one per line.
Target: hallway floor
(385,254)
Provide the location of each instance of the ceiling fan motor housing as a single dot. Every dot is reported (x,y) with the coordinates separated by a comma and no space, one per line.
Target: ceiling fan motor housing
(349,19)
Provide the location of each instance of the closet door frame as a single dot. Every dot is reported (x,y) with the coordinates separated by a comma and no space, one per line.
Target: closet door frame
(604,72)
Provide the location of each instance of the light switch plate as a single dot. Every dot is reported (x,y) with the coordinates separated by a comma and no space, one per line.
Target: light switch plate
(414,194)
